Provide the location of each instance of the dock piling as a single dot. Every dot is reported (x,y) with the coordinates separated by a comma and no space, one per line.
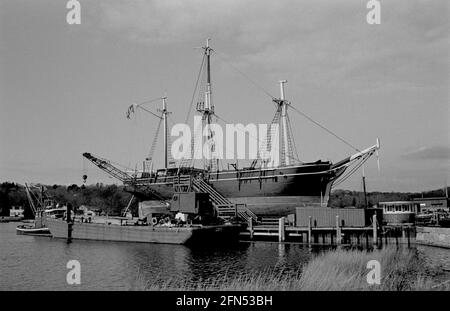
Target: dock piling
(250,227)
(309,229)
(408,236)
(338,231)
(281,229)
(374,223)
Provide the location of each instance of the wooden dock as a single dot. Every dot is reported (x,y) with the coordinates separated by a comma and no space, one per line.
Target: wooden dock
(374,235)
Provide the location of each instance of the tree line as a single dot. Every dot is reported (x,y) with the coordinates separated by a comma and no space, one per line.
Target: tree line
(109,199)
(112,199)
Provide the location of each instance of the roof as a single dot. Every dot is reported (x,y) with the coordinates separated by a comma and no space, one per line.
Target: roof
(398,202)
(430,199)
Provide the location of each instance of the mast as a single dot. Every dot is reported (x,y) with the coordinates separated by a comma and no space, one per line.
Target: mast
(208,76)
(166,147)
(366,203)
(207,109)
(281,118)
(283,105)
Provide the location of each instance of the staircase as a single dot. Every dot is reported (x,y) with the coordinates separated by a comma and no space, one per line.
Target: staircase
(225,209)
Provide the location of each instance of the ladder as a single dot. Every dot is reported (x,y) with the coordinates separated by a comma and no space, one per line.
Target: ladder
(225,208)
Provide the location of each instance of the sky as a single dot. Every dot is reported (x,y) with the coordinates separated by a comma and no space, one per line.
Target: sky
(64,89)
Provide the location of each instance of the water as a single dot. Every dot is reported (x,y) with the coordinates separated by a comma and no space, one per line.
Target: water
(39,263)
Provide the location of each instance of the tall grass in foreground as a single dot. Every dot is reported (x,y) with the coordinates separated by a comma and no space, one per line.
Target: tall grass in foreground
(334,270)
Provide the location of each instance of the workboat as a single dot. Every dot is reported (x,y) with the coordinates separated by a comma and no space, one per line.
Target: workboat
(41,207)
(265,187)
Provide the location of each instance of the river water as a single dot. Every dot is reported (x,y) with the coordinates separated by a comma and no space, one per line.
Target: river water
(39,263)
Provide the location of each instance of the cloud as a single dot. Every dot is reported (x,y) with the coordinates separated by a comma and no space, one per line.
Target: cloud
(429,153)
(321,41)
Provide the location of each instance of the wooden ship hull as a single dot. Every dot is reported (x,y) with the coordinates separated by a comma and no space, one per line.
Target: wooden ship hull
(275,191)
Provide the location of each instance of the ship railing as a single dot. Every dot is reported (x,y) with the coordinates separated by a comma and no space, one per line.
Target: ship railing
(182,183)
(244,212)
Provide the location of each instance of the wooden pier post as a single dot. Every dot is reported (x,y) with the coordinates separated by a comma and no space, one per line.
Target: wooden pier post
(374,229)
(250,227)
(338,231)
(281,229)
(309,229)
(408,236)
(69,223)
(403,235)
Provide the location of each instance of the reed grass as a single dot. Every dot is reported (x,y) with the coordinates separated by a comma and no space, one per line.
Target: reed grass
(401,270)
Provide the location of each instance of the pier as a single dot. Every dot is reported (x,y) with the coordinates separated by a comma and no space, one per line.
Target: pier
(284,231)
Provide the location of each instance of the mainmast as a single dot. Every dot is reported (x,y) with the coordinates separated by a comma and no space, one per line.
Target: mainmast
(207,109)
(208,76)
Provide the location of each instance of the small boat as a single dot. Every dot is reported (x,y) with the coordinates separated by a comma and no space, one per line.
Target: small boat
(32,230)
(39,207)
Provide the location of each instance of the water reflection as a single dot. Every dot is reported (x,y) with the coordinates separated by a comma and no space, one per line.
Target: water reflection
(29,263)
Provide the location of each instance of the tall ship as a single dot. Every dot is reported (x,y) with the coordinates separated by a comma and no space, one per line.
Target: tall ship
(264,187)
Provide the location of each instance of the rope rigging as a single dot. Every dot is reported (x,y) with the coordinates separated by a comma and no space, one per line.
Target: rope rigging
(256,138)
(296,109)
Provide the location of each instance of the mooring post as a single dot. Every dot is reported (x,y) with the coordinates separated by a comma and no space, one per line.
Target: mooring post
(374,229)
(69,223)
(309,229)
(250,227)
(338,231)
(408,235)
(281,230)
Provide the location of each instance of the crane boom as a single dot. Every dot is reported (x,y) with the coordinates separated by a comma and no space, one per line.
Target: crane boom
(124,177)
(106,166)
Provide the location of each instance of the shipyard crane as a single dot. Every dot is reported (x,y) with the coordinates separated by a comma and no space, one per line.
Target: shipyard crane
(127,179)
(106,166)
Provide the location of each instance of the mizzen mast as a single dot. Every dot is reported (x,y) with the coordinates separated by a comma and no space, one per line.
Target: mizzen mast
(281,118)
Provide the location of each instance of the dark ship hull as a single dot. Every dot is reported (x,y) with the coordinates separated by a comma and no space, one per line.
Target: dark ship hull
(269,191)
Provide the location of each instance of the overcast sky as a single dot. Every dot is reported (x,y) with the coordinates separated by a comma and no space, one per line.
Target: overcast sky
(64,89)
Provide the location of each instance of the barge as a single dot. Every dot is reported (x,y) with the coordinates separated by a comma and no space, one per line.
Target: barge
(185,234)
(189,219)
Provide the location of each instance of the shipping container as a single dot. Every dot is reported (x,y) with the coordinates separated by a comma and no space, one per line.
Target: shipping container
(326,217)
